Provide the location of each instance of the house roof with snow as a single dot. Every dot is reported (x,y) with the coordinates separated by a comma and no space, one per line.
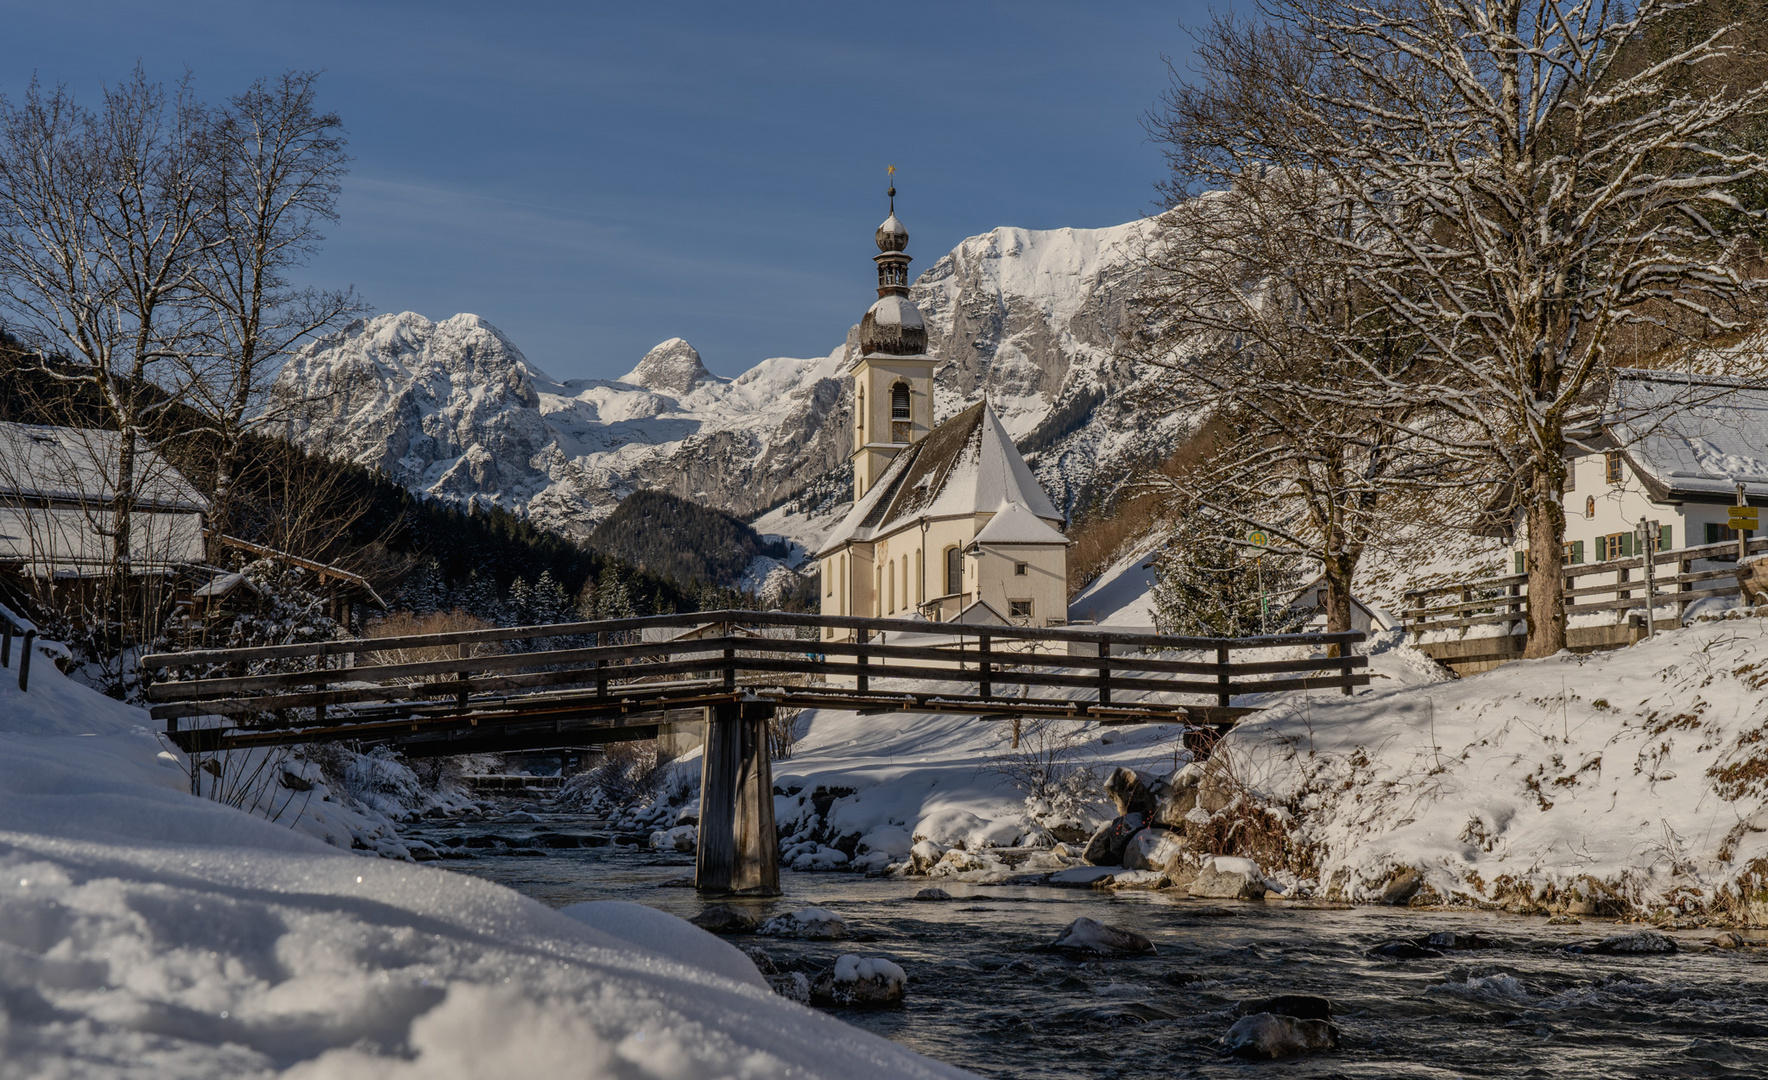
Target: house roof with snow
(78,465)
(965,466)
(1692,437)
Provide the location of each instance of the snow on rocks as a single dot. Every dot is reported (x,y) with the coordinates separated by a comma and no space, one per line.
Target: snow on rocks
(1090,936)
(1224,878)
(682,838)
(853,980)
(816,924)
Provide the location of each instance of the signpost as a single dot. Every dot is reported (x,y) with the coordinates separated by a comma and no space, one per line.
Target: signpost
(1742,519)
(1258,539)
(1645,536)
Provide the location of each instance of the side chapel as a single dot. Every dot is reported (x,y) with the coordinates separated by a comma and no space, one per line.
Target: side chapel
(948,522)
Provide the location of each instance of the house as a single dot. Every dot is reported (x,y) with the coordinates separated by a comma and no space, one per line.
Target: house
(58,505)
(948,521)
(1671,448)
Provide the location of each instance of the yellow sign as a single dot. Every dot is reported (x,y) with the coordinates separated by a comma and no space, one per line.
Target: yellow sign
(1742,518)
(1257,538)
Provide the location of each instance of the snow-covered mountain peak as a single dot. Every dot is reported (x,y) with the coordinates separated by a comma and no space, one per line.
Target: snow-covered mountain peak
(452,408)
(672,367)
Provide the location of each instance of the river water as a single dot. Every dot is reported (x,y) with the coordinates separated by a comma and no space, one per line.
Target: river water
(982,996)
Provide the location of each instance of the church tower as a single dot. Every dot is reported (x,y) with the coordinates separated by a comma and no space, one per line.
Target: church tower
(893,377)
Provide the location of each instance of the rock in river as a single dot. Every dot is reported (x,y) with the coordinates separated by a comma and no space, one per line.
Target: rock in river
(1224,878)
(1106,846)
(817,924)
(724,919)
(932,894)
(854,980)
(1268,1035)
(1093,937)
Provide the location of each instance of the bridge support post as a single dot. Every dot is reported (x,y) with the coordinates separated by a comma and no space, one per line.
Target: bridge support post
(739,847)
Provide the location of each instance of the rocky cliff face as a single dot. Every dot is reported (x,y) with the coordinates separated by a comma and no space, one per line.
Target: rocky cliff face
(454,409)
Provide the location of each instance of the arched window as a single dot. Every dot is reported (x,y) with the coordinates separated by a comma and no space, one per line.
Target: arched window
(905,582)
(954,570)
(890,588)
(862,413)
(920,577)
(846,597)
(899,401)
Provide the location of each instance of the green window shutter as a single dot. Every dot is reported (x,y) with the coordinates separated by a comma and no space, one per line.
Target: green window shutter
(1712,533)
(1626,545)
(1664,538)
(1577,552)
(1519,563)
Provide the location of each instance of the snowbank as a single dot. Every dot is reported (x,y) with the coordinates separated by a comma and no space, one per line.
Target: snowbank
(144,932)
(1621,782)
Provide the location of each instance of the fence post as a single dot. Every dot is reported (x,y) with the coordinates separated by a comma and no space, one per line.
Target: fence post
(1345,652)
(460,696)
(1104,671)
(730,666)
(24,660)
(861,682)
(984,666)
(601,668)
(1224,692)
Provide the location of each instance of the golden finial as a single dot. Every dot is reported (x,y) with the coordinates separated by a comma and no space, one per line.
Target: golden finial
(891,169)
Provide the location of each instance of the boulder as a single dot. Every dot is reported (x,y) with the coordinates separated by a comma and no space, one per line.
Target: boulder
(1226,878)
(1269,1035)
(933,894)
(682,838)
(1129,793)
(1154,849)
(724,919)
(1094,938)
(1402,886)
(1639,942)
(1106,846)
(791,985)
(815,924)
(1300,1006)
(923,856)
(870,981)
(1177,796)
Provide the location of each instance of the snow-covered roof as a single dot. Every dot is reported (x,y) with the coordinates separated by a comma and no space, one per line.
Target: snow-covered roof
(896,310)
(64,464)
(967,465)
(1014,524)
(222,584)
(1692,436)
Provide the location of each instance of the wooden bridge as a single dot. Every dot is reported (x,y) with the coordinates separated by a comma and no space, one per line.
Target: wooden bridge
(574,684)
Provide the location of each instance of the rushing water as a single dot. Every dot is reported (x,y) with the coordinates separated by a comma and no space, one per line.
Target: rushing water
(981,995)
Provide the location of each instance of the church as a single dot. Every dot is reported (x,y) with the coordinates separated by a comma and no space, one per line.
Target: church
(948,522)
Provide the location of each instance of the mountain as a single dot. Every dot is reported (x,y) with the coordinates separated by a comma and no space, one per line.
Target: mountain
(455,410)
(685,542)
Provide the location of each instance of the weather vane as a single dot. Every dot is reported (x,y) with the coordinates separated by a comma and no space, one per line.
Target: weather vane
(891,169)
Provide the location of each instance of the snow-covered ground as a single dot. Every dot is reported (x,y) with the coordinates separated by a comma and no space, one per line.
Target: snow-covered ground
(148,933)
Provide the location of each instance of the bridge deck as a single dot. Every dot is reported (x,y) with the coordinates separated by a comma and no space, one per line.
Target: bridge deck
(477,691)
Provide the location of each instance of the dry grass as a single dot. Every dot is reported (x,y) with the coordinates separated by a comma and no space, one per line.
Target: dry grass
(405,623)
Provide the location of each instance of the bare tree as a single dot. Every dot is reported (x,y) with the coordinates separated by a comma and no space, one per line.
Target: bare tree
(1246,312)
(102,233)
(277,166)
(1520,184)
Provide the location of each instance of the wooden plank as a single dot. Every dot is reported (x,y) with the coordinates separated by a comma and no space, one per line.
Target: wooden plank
(1324,682)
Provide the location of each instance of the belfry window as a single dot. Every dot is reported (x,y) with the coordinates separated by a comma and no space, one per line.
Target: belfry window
(899,401)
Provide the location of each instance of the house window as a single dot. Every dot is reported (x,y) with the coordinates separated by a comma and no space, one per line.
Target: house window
(1019,609)
(1574,552)
(1019,569)
(1616,545)
(1717,533)
(1589,506)
(954,571)
(1611,466)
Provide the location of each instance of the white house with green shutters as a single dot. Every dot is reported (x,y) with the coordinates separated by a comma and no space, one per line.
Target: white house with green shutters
(1674,451)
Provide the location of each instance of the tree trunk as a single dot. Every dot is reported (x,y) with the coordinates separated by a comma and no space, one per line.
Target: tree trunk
(1337,574)
(1546,611)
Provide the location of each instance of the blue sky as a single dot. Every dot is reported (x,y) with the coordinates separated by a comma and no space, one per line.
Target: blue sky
(594,178)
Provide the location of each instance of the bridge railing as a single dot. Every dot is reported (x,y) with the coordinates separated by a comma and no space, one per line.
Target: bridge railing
(726,653)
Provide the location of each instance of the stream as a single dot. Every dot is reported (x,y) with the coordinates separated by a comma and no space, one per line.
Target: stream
(981,996)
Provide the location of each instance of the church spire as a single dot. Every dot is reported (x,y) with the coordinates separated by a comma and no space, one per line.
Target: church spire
(892,238)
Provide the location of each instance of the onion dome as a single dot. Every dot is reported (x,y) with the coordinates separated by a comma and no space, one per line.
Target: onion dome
(893,325)
(891,235)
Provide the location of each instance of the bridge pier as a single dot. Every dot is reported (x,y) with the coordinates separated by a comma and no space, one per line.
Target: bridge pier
(739,849)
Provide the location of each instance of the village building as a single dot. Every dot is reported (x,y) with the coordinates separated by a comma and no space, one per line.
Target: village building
(1673,449)
(59,503)
(948,522)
